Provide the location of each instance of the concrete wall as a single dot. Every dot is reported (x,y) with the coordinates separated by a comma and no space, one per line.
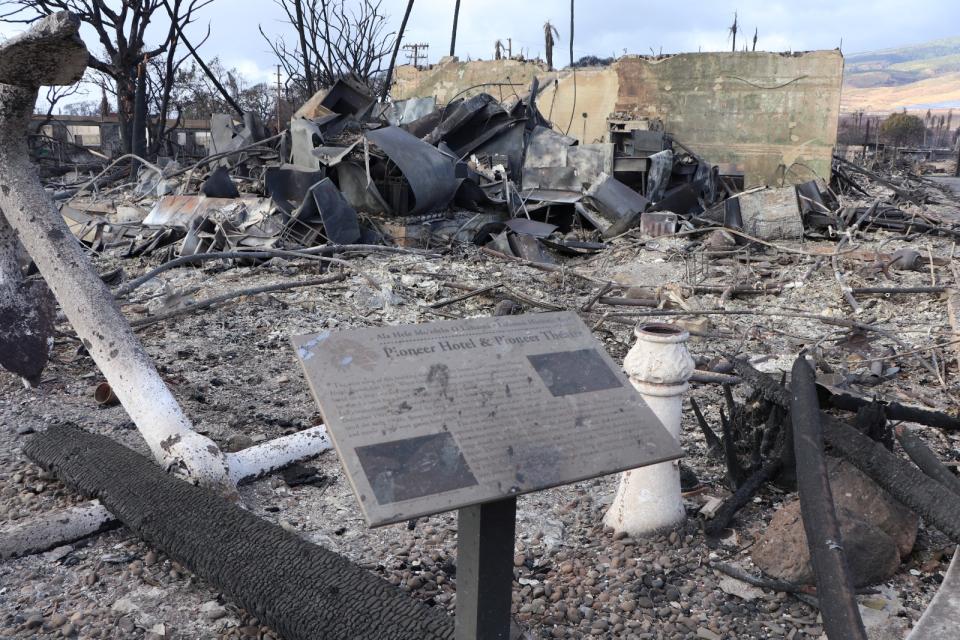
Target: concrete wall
(772,116)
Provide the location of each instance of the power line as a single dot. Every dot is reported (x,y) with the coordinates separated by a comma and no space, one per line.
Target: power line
(414,53)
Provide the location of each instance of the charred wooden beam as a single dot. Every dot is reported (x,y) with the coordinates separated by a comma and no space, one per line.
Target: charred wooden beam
(926,459)
(894,410)
(838,602)
(736,474)
(929,499)
(301,590)
(714,446)
(741,497)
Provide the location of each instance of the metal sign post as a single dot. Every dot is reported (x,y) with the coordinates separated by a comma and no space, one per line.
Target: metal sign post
(485,542)
(468,415)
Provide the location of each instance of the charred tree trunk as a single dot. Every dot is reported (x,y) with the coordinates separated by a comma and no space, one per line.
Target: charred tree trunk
(126,97)
(139,134)
(304,51)
(396,49)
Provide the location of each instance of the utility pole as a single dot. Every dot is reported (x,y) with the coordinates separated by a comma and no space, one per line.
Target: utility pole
(396,49)
(279,99)
(414,55)
(453,35)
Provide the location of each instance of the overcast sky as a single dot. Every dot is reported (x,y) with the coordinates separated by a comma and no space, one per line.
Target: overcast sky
(603,27)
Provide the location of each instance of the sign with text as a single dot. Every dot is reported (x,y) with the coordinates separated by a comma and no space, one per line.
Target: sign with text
(433,417)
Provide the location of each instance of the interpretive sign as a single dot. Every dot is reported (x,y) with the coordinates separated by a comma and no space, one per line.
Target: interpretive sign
(433,417)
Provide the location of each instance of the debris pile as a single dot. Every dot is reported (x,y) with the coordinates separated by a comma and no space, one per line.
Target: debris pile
(353,171)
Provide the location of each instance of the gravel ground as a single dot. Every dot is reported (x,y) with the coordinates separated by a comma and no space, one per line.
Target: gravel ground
(233,370)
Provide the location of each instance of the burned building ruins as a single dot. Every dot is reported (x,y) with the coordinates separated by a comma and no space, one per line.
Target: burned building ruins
(622,351)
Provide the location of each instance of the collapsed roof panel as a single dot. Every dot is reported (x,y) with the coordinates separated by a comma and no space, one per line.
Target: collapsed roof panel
(429,173)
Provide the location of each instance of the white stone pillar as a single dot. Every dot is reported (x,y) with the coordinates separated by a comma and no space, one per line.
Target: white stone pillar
(648,499)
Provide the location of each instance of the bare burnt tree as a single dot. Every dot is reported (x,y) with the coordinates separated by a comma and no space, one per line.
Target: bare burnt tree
(52,97)
(733,29)
(196,97)
(332,39)
(121,30)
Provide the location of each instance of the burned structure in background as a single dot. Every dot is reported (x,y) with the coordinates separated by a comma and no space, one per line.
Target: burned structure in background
(660,144)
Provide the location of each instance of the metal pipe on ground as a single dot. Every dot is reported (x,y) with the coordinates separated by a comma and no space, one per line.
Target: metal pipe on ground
(302,591)
(61,527)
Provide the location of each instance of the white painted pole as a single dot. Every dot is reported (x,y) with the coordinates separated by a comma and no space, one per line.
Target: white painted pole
(53,529)
(272,455)
(64,526)
(648,499)
(51,52)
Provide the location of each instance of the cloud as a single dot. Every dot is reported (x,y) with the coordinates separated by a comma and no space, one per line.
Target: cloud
(602,28)
(251,70)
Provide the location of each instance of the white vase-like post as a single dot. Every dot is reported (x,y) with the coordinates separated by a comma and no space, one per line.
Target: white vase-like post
(659,366)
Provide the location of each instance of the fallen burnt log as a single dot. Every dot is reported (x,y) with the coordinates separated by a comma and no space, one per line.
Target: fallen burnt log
(926,497)
(299,589)
(838,602)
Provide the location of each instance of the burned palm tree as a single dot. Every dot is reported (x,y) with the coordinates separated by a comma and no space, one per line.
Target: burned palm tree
(550,37)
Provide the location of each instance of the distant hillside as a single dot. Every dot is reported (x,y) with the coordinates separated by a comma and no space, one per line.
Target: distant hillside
(893,67)
(921,76)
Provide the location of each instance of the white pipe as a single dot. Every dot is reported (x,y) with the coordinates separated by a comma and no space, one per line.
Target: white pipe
(53,530)
(272,455)
(648,499)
